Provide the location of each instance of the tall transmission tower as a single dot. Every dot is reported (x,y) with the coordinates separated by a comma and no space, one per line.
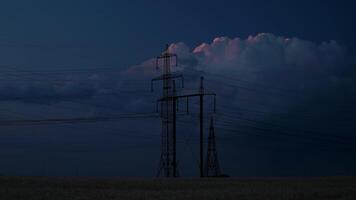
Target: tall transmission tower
(168,161)
(212,167)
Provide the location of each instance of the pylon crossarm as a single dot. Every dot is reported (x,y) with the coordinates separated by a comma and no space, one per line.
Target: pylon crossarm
(165,56)
(186,96)
(166,77)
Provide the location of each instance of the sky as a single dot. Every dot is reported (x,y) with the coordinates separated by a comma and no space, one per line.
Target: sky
(123,34)
(284,67)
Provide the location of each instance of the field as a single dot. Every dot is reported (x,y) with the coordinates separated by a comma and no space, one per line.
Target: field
(41,188)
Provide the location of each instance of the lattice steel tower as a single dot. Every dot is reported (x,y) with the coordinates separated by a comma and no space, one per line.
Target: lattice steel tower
(212,168)
(168,162)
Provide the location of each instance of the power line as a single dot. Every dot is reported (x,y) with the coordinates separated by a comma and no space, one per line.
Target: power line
(75,120)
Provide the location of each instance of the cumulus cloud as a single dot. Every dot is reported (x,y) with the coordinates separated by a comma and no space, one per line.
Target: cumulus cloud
(261,57)
(264,66)
(263,52)
(263,72)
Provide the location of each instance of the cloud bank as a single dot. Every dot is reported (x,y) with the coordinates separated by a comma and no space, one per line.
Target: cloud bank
(262,60)
(264,66)
(263,53)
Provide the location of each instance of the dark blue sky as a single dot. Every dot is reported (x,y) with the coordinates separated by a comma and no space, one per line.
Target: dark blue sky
(42,43)
(125,33)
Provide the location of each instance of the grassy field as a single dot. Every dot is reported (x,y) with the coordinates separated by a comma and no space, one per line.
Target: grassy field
(41,188)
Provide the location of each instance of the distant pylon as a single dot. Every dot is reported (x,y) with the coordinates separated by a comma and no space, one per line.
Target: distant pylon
(212,168)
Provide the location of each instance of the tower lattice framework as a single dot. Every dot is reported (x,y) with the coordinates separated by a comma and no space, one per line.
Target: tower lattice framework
(212,167)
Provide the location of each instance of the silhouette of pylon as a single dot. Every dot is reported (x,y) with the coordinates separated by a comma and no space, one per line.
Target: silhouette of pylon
(168,161)
(212,168)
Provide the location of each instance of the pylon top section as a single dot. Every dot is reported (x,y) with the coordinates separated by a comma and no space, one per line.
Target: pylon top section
(166,60)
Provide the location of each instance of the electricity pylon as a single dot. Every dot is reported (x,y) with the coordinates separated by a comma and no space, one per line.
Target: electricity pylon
(212,167)
(168,161)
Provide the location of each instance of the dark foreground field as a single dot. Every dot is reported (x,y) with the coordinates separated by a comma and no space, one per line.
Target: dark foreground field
(13,188)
